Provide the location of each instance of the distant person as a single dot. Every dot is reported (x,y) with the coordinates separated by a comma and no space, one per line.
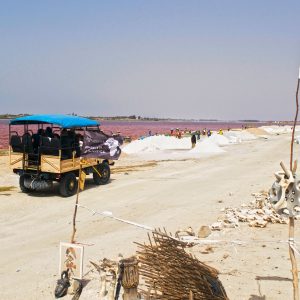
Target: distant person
(220,132)
(193,140)
(198,135)
(149,133)
(208,133)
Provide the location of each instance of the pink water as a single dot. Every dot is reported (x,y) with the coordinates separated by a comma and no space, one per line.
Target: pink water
(135,129)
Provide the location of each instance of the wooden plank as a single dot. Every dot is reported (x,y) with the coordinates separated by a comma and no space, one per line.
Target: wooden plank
(16,160)
(50,164)
(72,165)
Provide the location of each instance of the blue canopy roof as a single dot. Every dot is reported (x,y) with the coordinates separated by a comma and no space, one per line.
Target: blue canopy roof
(64,121)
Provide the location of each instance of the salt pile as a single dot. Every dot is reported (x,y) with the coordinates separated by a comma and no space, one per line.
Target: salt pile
(239,136)
(220,140)
(279,129)
(157,143)
(207,146)
(169,147)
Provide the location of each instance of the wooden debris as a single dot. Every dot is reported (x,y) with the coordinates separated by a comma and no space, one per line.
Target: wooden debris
(170,273)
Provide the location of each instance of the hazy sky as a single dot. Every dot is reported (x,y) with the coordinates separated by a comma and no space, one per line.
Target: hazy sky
(181,59)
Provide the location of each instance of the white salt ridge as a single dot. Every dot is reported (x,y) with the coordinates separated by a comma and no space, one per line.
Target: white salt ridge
(167,147)
(275,129)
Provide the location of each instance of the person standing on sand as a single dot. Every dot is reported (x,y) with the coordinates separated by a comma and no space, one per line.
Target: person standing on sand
(208,133)
(193,140)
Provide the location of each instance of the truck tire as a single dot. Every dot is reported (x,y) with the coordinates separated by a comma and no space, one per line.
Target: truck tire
(23,188)
(68,185)
(104,170)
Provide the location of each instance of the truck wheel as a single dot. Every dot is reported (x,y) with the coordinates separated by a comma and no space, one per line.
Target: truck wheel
(68,185)
(23,188)
(104,170)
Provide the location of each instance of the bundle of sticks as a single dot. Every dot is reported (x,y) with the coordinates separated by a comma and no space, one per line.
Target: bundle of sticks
(169,272)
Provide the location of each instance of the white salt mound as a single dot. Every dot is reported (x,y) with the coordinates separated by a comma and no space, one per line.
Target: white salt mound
(157,143)
(207,146)
(239,136)
(275,129)
(219,140)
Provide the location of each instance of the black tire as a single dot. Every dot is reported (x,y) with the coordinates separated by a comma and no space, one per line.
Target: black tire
(23,188)
(104,170)
(68,185)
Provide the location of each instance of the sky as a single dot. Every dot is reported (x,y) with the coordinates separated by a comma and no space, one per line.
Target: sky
(226,59)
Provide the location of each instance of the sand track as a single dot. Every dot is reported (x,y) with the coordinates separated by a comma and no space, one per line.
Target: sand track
(171,194)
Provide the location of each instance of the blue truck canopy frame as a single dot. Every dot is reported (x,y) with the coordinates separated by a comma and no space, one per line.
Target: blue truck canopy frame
(64,121)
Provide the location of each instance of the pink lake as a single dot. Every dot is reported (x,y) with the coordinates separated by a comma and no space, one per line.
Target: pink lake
(135,129)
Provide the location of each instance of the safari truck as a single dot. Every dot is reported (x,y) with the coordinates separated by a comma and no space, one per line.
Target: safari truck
(48,148)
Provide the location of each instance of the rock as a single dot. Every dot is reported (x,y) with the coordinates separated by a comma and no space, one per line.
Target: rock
(204,232)
(216,226)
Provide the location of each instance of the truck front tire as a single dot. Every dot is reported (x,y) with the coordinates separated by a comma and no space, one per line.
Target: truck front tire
(68,185)
(104,171)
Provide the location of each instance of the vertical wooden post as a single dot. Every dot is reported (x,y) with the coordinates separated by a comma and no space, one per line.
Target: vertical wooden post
(293,259)
(191,295)
(75,208)
(291,218)
(130,278)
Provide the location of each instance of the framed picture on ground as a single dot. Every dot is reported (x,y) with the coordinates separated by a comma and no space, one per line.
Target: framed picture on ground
(71,257)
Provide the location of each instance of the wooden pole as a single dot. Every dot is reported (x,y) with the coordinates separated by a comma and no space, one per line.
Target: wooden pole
(75,208)
(191,295)
(291,218)
(293,259)
(295,122)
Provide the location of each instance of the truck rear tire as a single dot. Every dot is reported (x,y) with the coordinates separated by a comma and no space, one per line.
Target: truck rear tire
(104,171)
(68,185)
(23,188)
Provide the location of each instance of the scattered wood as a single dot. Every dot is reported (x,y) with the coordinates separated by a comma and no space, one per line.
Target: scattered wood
(171,273)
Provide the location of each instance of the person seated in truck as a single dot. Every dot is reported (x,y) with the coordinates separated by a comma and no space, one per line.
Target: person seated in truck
(66,145)
(49,132)
(78,144)
(36,139)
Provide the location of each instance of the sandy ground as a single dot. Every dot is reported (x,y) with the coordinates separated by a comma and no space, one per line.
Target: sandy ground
(171,194)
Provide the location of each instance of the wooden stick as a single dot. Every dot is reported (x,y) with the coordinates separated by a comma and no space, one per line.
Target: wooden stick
(295,167)
(75,208)
(285,169)
(293,258)
(295,122)
(292,221)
